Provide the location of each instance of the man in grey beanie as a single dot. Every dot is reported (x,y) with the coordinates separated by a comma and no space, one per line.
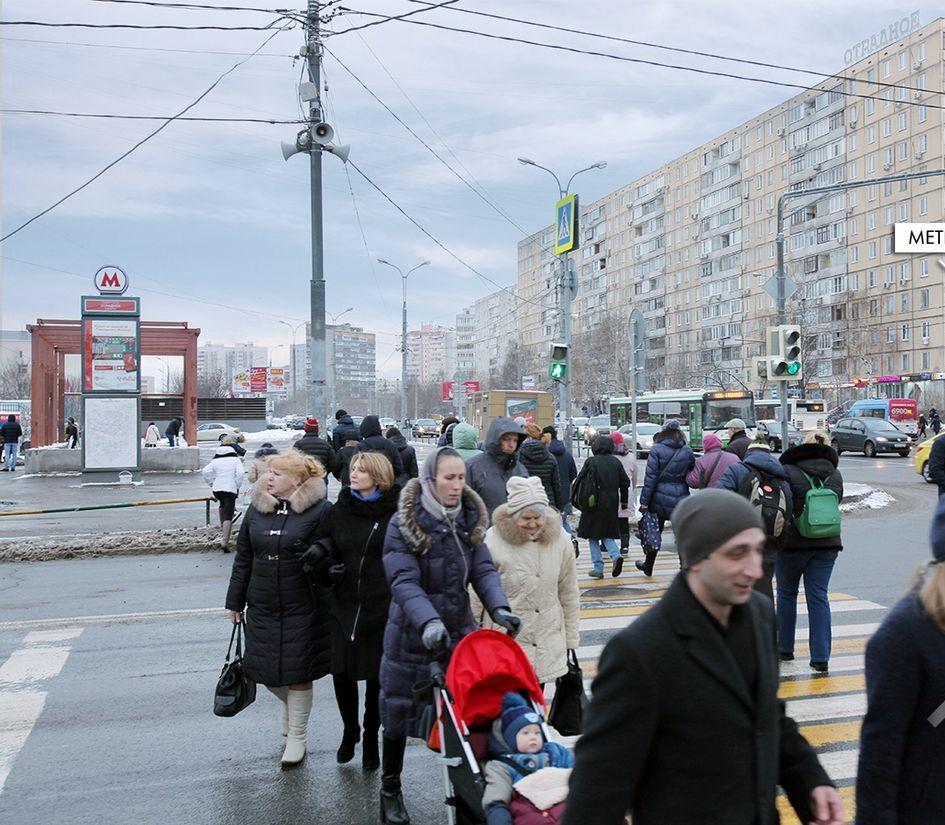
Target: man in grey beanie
(686,698)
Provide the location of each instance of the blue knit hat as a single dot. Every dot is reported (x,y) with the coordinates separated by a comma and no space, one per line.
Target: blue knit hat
(516,714)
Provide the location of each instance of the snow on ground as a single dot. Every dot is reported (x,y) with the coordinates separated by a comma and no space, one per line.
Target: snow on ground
(857,489)
(274,437)
(874,500)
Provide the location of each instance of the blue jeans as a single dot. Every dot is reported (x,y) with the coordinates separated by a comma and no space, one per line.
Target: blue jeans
(567,527)
(612,550)
(815,566)
(170,440)
(10,451)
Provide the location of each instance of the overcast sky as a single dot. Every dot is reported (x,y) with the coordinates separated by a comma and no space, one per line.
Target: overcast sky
(212,225)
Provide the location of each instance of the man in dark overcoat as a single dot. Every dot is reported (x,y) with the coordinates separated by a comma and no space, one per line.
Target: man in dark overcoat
(685,707)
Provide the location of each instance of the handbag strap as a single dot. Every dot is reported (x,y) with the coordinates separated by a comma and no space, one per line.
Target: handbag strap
(718,458)
(236,634)
(669,464)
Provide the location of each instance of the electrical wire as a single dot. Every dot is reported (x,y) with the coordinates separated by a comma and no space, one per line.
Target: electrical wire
(148,117)
(431,7)
(197,6)
(141,48)
(145,139)
(137,26)
(635,60)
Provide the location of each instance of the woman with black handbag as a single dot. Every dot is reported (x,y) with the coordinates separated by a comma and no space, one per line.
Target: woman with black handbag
(287,634)
(348,551)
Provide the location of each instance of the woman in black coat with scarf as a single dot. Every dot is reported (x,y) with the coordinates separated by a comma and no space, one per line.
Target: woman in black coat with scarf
(287,645)
(601,524)
(347,556)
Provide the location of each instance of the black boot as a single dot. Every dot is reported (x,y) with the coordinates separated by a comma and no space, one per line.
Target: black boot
(393,811)
(646,566)
(346,749)
(370,757)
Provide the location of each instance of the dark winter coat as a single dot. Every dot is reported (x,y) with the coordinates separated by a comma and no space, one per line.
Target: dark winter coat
(738,444)
(343,462)
(818,461)
(539,462)
(287,619)
(567,470)
(710,467)
(670,706)
(408,456)
(601,522)
(373,441)
(664,483)
(318,448)
(738,477)
(428,570)
(353,534)
(173,427)
(901,774)
(345,430)
(937,464)
(488,473)
(11,431)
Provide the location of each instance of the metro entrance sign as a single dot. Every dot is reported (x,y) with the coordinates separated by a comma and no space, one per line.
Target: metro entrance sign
(110,280)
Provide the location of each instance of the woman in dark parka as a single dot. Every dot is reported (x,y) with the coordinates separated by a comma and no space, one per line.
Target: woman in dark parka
(287,642)
(601,525)
(432,552)
(347,555)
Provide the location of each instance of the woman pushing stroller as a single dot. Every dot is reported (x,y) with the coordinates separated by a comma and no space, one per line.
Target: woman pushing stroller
(434,549)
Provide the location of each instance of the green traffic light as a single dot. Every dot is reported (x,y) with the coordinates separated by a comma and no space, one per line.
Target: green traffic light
(794,368)
(557,371)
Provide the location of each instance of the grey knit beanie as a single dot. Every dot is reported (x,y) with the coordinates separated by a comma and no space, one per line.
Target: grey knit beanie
(524,493)
(705,521)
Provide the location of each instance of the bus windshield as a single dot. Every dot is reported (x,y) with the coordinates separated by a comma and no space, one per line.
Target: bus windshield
(719,411)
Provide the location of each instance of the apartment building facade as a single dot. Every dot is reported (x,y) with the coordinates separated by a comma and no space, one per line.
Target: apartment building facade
(229,359)
(496,324)
(351,380)
(692,243)
(431,354)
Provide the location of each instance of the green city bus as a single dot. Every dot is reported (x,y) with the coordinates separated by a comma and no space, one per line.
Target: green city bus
(698,410)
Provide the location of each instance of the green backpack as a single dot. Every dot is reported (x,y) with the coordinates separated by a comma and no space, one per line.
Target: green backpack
(820,518)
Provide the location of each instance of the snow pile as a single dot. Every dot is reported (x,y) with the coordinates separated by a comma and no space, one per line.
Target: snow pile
(873,500)
(278,438)
(856,490)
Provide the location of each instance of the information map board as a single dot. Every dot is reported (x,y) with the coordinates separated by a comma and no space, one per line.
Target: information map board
(110,437)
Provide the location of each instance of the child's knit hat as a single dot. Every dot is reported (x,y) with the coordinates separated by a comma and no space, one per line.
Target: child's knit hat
(516,714)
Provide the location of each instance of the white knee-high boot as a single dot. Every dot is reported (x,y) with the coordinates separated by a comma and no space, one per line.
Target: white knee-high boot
(281,693)
(299,706)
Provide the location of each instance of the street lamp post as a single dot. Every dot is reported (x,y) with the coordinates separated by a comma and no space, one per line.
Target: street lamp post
(403,338)
(567,289)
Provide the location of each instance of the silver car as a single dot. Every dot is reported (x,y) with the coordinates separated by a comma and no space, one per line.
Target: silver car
(596,425)
(215,431)
(645,433)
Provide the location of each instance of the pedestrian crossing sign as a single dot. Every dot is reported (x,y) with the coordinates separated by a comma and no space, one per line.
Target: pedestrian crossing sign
(566,225)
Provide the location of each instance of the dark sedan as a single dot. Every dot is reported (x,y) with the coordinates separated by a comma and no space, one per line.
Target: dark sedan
(772,429)
(869,436)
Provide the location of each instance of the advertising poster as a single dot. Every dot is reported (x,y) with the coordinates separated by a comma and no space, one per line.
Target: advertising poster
(526,408)
(241,383)
(257,379)
(446,391)
(277,380)
(111,439)
(110,355)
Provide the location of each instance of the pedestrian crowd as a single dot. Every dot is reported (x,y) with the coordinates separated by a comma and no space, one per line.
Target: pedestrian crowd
(382,585)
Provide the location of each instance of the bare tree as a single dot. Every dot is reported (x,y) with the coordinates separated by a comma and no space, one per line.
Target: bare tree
(14,379)
(214,383)
(509,376)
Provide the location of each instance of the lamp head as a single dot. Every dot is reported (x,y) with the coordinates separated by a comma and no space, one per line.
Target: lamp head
(526,162)
(601,164)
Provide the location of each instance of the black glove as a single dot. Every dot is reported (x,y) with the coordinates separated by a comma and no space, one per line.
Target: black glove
(313,556)
(434,636)
(504,617)
(337,572)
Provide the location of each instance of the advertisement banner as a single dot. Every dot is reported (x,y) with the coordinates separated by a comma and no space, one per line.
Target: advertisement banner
(446,391)
(241,383)
(471,386)
(110,355)
(526,408)
(277,379)
(257,379)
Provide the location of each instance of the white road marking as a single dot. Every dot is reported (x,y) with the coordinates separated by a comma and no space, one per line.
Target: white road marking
(827,707)
(32,664)
(42,637)
(18,713)
(114,618)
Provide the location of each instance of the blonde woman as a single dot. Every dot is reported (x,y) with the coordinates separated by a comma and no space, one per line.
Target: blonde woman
(901,776)
(287,636)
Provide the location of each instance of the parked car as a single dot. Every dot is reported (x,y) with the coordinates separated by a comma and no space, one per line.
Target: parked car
(387,423)
(869,436)
(295,422)
(276,424)
(645,433)
(922,452)
(772,429)
(425,428)
(215,431)
(596,425)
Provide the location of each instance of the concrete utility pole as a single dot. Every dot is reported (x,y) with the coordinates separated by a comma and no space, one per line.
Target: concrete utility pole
(781,275)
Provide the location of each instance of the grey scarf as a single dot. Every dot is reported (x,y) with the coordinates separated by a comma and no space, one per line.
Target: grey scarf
(428,499)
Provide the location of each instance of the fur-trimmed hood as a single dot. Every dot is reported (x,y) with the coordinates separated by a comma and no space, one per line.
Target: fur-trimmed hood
(511,533)
(305,495)
(473,519)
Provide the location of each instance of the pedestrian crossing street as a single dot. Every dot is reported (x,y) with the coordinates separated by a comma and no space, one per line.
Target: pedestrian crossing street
(828,708)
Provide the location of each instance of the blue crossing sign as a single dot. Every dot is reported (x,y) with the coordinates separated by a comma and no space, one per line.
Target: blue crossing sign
(566,225)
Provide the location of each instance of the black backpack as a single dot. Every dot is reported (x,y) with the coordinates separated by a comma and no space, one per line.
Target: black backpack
(585,493)
(764,491)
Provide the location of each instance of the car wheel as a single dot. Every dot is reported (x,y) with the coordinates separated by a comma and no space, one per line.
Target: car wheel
(836,445)
(903,453)
(869,449)
(925,473)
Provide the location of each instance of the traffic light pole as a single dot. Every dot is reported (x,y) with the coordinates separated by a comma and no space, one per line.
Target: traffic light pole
(779,241)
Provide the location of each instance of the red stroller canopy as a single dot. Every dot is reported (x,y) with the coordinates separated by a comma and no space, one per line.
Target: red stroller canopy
(486,665)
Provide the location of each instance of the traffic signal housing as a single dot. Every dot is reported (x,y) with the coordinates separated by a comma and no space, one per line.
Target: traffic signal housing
(784,353)
(558,366)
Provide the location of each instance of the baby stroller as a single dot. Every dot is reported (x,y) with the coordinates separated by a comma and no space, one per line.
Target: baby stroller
(484,666)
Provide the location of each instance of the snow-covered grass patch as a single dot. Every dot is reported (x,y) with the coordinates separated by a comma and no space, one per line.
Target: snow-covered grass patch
(875,500)
(275,437)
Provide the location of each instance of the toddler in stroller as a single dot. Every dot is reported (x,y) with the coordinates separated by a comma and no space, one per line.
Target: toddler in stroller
(526,776)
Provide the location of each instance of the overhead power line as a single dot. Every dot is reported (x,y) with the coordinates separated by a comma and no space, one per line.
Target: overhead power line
(149,117)
(143,140)
(430,7)
(140,48)
(197,6)
(156,26)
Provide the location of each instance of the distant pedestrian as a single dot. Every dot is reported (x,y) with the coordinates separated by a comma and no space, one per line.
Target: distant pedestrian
(445,424)
(692,682)
(224,473)
(625,514)
(711,465)
(408,456)
(11,432)
(738,439)
(934,421)
(258,468)
(466,441)
(173,431)
(567,472)
(344,455)
(287,625)
(922,427)
(233,441)
(664,484)
(762,479)
(312,444)
(900,778)
(808,466)
(540,463)
(609,485)
(345,430)
(488,473)
(371,439)
(152,435)
(72,433)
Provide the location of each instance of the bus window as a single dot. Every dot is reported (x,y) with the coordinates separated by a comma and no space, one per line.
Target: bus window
(717,412)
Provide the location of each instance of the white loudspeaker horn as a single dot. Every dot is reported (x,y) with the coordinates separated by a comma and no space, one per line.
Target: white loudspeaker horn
(322,133)
(289,149)
(341,152)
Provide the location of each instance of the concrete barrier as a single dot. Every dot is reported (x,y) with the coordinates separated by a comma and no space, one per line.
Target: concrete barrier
(154,460)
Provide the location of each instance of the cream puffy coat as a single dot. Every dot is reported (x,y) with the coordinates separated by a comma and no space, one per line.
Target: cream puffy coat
(540,580)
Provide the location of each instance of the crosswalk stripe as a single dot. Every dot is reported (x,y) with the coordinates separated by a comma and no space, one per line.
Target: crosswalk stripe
(788,816)
(831,733)
(822,685)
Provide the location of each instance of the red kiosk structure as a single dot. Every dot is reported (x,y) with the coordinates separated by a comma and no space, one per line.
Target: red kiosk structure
(53,340)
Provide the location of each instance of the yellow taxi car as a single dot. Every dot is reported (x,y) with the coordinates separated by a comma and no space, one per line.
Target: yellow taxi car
(922,457)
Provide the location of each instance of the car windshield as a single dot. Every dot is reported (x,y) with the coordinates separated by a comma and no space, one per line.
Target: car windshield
(426,422)
(600,421)
(580,422)
(882,426)
(643,428)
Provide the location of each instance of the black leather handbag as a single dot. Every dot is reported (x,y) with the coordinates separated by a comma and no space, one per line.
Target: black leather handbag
(567,708)
(234,690)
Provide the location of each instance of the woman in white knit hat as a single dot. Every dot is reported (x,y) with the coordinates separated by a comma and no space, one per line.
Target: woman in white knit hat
(535,559)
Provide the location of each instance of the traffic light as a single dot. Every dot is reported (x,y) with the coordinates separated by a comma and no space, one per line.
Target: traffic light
(760,369)
(558,368)
(784,353)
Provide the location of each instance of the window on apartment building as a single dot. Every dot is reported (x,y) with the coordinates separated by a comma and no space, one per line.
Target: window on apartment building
(887,98)
(887,245)
(870,75)
(920,81)
(923,205)
(871,192)
(925,360)
(886,126)
(923,113)
(904,209)
(871,250)
(854,312)
(871,220)
(854,254)
(924,268)
(903,121)
(922,144)
(904,332)
(904,302)
(905,272)
(872,281)
(870,106)
(902,61)
(926,329)
(854,224)
(889,335)
(902,150)
(871,134)
(905,361)
(888,215)
(871,166)
(887,280)
(874,336)
(887,157)
(887,189)
(851,170)
(923,300)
